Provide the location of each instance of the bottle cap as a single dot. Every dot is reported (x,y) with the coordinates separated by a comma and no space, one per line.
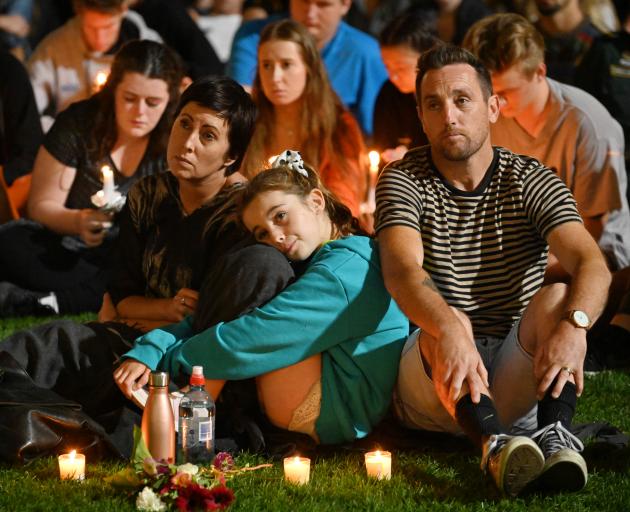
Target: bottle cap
(158,379)
(197,379)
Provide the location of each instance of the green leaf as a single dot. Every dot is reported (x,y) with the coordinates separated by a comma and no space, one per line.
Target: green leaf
(140,450)
(126,478)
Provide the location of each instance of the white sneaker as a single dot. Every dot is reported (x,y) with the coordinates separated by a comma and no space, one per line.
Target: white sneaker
(565,469)
(513,462)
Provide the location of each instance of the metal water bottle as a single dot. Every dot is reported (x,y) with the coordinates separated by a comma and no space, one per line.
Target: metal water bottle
(158,425)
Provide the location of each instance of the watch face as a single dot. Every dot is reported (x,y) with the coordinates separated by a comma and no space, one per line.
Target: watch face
(581,318)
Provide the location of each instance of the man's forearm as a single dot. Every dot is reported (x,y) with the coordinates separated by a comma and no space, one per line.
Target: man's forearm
(423,304)
(589,288)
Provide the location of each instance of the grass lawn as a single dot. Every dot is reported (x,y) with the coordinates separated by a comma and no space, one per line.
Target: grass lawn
(430,479)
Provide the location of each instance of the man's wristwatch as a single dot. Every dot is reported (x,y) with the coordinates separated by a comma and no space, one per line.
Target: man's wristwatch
(578,318)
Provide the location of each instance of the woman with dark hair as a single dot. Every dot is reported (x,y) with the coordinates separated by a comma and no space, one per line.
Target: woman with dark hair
(396,124)
(176,225)
(56,262)
(325,350)
(298,109)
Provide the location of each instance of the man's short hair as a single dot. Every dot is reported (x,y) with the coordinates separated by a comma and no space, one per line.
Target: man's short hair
(445,55)
(502,40)
(105,6)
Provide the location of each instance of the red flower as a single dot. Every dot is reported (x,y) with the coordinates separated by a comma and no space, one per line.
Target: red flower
(223,461)
(196,497)
(223,496)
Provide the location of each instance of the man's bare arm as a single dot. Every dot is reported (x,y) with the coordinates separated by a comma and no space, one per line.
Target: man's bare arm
(455,361)
(578,253)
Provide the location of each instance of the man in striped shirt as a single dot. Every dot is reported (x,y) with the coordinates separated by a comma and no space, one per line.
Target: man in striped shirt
(464,230)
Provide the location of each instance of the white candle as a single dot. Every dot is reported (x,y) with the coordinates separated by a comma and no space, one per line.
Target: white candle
(297,470)
(378,464)
(375,160)
(108,183)
(72,466)
(99,80)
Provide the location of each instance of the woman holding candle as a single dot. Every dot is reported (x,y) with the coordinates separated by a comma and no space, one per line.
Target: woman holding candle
(56,262)
(298,109)
(325,350)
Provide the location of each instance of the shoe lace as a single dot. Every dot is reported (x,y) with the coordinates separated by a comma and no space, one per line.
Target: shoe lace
(495,443)
(555,437)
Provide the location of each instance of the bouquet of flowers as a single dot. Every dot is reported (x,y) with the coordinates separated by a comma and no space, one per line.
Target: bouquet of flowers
(186,487)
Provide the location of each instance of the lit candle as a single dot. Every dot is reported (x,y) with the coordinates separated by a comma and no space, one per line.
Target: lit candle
(100,79)
(272,159)
(375,160)
(297,470)
(379,465)
(108,183)
(72,466)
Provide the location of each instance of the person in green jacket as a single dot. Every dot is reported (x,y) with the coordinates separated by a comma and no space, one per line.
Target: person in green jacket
(324,351)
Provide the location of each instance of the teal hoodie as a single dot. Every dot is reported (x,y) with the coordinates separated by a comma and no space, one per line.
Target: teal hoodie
(339,308)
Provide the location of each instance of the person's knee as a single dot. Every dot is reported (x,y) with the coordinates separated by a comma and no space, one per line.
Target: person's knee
(550,299)
(261,260)
(465,321)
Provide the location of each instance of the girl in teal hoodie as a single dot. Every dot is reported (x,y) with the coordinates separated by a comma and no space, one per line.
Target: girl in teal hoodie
(325,351)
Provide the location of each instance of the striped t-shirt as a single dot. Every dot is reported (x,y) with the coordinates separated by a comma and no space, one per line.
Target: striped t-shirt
(485,249)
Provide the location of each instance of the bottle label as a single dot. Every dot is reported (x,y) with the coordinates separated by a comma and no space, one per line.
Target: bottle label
(200,412)
(205,431)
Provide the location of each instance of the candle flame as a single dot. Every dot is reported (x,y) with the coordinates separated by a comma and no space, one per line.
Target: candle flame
(272,159)
(105,169)
(297,459)
(374,158)
(100,79)
(73,454)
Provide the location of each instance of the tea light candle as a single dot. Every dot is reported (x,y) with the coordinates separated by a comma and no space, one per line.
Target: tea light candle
(108,183)
(379,464)
(72,466)
(297,470)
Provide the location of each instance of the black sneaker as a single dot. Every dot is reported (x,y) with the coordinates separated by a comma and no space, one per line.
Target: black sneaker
(593,361)
(16,301)
(565,469)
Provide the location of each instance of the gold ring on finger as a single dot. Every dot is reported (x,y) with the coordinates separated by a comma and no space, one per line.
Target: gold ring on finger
(568,369)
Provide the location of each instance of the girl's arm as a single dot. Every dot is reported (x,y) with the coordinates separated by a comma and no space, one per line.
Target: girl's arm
(307,318)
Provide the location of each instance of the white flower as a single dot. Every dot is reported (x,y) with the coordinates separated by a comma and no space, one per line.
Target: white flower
(148,500)
(188,468)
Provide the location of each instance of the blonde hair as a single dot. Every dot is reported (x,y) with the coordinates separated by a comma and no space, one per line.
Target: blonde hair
(321,129)
(290,181)
(502,40)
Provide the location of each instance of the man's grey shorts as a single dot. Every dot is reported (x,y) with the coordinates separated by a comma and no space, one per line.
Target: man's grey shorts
(510,374)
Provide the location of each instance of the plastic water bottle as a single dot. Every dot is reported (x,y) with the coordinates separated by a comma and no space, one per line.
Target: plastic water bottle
(158,426)
(196,422)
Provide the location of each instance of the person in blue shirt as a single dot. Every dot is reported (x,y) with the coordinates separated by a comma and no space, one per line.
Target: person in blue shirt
(352,58)
(325,350)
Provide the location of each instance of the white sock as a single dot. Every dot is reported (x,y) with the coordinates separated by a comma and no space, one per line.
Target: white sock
(51,301)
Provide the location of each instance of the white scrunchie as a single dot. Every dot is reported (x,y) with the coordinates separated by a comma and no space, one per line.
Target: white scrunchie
(292,160)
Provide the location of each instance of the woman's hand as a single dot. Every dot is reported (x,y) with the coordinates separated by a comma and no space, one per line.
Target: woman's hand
(183,304)
(92,226)
(130,376)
